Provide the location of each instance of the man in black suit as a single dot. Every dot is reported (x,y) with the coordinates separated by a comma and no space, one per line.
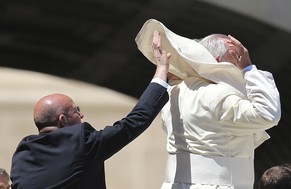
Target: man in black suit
(70,154)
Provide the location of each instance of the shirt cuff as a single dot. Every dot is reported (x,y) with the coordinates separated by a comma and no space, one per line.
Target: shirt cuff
(161,82)
(248,68)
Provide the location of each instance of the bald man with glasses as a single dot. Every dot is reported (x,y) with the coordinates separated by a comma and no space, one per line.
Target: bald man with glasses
(68,153)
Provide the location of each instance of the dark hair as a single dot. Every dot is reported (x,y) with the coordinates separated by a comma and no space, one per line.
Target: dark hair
(277,177)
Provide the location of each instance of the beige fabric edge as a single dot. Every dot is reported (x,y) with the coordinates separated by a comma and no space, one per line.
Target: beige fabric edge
(188,57)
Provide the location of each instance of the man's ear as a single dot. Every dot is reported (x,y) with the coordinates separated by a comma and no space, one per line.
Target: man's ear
(63,122)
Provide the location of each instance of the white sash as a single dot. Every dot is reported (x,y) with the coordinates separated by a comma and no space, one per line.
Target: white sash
(210,170)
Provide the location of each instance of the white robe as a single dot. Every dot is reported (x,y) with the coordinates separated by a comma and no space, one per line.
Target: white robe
(212,130)
(216,115)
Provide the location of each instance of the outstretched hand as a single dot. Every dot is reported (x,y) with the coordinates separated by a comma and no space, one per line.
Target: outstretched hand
(161,56)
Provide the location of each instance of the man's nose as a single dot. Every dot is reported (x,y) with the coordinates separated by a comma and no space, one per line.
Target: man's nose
(81,115)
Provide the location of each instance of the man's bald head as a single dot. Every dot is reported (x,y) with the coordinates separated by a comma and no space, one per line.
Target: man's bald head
(55,110)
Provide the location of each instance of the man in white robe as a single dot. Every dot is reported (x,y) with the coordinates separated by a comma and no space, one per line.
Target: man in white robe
(217,113)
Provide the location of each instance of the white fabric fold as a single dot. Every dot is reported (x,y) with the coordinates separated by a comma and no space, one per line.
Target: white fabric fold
(188,57)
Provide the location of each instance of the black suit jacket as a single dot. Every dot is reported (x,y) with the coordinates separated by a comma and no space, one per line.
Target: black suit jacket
(73,157)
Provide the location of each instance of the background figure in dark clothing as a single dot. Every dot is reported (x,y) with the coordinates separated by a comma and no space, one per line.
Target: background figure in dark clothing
(70,154)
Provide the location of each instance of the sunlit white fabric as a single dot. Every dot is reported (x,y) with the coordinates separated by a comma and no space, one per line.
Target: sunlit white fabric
(215,112)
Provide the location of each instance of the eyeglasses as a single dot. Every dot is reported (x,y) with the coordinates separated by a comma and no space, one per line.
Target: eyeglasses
(72,110)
